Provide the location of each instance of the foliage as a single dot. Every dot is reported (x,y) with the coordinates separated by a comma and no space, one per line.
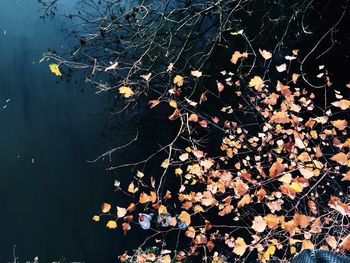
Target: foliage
(259,165)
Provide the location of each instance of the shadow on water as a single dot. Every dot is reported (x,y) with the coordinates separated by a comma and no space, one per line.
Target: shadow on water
(48,192)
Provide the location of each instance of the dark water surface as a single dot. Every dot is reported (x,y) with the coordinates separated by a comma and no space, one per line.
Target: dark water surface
(48,192)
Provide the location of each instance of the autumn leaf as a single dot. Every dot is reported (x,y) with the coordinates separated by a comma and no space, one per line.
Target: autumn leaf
(121,212)
(173,104)
(240,247)
(55,69)
(132,188)
(269,252)
(276,169)
(340,158)
(338,205)
(307,244)
(96,218)
(126,91)
(282,67)
(280,117)
(244,201)
(257,83)
(111,224)
(237,55)
(340,124)
(174,115)
(105,207)
(265,54)
(331,241)
(345,244)
(259,224)
(185,218)
(196,73)
(343,104)
(312,207)
(178,80)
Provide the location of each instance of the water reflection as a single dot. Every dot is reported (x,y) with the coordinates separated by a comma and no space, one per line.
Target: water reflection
(48,192)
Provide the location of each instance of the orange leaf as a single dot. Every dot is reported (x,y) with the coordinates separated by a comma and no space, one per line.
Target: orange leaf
(276,169)
(340,158)
(105,207)
(244,201)
(265,54)
(340,124)
(237,55)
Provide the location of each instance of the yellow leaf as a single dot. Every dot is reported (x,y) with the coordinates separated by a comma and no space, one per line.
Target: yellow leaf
(111,224)
(257,83)
(96,218)
(269,252)
(307,244)
(173,104)
(165,163)
(126,91)
(121,212)
(296,187)
(140,174)
(178,80)
(178,171)
(162,209)
(55,69)
(185,218)
(240,246)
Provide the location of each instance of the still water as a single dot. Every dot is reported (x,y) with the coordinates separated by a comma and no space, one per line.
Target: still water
(48,192)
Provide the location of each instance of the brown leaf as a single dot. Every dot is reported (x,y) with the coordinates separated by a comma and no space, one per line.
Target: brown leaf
(276,169)
(312,207)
